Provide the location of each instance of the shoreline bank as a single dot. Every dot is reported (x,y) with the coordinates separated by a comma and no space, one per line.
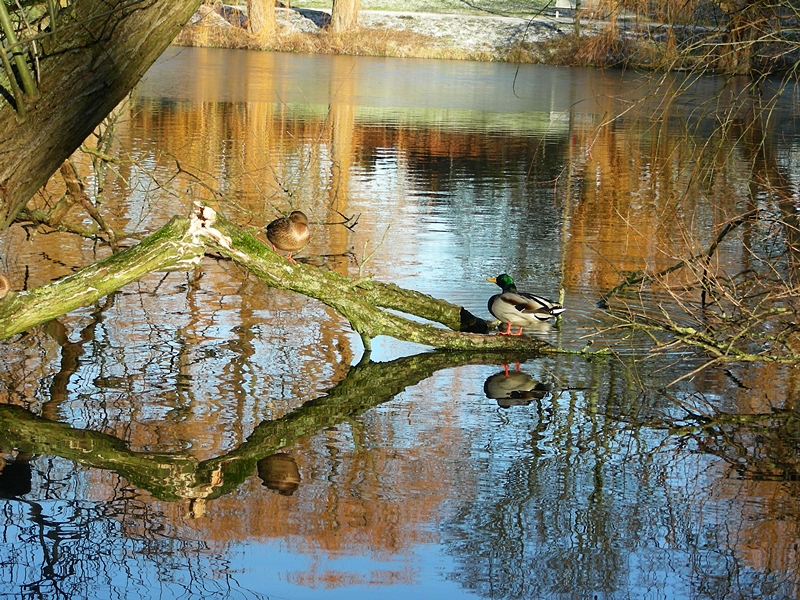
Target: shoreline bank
(628,41)
(387,33)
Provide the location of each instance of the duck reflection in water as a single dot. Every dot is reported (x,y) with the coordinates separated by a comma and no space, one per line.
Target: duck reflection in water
(279,472)
(15,476)
(514,388)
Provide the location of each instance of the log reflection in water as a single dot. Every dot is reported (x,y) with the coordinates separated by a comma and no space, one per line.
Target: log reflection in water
(759,445)
(174,477)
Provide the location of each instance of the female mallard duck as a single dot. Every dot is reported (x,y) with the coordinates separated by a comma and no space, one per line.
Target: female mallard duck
(279,472)
(517,308)
(289,233)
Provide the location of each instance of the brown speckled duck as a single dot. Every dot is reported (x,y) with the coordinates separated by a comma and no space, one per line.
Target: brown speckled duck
(289,233)
(279,472)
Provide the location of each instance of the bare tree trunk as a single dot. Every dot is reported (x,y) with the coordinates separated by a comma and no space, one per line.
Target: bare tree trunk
(739,42)
(261,18)
(101,50)
(344,15)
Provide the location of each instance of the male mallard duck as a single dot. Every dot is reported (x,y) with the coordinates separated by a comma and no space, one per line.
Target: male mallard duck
(289,233)
(517,308)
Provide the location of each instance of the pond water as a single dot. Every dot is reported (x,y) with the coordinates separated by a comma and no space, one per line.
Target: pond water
(201,435)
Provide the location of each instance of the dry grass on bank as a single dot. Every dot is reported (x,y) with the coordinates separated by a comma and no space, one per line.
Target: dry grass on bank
(602,48)
(359,42)
(686,40)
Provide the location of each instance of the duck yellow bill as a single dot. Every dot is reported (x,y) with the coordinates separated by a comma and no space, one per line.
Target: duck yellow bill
(491,279)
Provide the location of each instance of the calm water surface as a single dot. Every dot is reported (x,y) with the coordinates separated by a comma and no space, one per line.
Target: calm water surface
(200,435)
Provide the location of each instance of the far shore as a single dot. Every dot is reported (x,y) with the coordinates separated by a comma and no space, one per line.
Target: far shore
(547,39)
(627,42)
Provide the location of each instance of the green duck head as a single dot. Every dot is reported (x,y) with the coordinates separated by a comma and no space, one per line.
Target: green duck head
(504,281)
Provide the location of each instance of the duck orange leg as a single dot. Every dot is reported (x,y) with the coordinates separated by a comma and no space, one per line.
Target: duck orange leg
(505,368)
(289,258)
(508,330)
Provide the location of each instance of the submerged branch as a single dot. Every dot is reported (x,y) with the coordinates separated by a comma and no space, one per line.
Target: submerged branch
(722,350)
(705,256)
(77,191)
(749,318)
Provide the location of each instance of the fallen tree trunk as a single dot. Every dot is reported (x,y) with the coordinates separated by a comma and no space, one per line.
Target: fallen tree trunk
(173,247)
(181,244)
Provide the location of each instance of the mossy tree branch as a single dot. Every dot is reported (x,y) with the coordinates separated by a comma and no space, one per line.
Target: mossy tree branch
(173,247)
(181,244)
(361,301)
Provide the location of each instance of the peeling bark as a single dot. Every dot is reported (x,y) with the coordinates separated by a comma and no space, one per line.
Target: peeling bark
(173,247)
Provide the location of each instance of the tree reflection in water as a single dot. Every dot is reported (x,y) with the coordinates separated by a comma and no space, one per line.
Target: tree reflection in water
(60,547)
(619,501)
(591,496)
(148,414)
